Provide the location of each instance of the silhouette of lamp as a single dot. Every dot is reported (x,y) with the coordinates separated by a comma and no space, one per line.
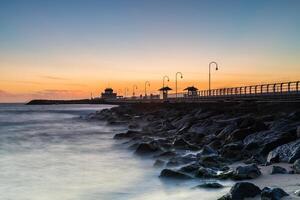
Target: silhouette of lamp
(181,76)
(209,66)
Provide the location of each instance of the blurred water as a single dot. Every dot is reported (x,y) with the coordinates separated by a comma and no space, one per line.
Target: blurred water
(54,153)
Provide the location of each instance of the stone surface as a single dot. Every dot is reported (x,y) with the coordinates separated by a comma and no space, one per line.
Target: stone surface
(285,153)
(278,170)
(273,193)
(246,172)
(169,173)
(242,190)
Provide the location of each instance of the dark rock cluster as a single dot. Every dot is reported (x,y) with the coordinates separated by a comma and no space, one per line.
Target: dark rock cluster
(203,140)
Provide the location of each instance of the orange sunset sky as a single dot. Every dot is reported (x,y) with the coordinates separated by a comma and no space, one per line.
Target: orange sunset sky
(54,50)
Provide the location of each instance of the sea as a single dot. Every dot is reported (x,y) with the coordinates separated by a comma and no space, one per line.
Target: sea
(55,152)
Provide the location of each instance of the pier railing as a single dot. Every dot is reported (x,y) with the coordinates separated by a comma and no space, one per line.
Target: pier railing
(284,88)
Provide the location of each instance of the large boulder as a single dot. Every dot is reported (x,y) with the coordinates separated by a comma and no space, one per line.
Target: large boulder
(285,153)
(273,193)
(242,190)
(246,172)
(169,173)
(296,166)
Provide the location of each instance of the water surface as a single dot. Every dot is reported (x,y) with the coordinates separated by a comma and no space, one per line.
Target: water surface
(55,153)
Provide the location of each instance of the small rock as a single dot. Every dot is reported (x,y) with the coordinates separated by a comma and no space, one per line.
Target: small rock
(210,185)
(169,173)
(273,194)
(146,148)
(246,172)
(278,170)
(296,166)
(297,193)
(242,190)
(159,163)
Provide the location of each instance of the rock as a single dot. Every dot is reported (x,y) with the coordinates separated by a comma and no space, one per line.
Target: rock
(210,185)
(241,191)
(191,168)
(181,160)
(166,154)
(159,163)
(239,134)
(298,131)
(273,193)
(278,170)
(269,140)
(296,166)
(208,151)
(297,193)
(146,148)
(246,172)
(203,172)
(232,150)
(182,144)
(169,173)
(285,153)
(128,134)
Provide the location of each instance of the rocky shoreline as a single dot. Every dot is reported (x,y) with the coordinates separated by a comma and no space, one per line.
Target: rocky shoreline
(217,141)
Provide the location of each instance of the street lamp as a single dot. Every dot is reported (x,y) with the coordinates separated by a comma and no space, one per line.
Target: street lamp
(217,67)
(125,92)
(146,83)
(164,80)
(181,76)
(133,90)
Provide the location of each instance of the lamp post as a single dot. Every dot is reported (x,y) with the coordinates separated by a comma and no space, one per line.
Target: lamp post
(146,83)
(133,90)
(125,92)
(168,79)
(217,67)
(181,76)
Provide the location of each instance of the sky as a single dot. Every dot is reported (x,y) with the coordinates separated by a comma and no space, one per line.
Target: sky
(68,49)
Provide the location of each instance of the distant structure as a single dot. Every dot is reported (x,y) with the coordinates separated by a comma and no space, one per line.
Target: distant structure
(164,92)
(108,94)
(191,91)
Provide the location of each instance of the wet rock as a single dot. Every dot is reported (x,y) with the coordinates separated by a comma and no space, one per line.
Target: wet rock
(246,172)
(269,140)
(278,170)
(297,193)
(241,191)
(128,134)
(181,160)
(285,153)
(273,193)
(159,163)
(203,172)
(146,148)
(208,151)
(210,186)
(191,168)
(232,150)
(182,144)
(166,154)
(239,134)
(296,166)
(169,173)
(298,131)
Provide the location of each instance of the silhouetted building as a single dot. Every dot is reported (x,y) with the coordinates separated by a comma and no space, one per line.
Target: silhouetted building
(108,94)
(191,91)
(164,92)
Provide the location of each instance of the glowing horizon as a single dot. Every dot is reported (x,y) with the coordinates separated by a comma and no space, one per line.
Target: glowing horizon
(68,51)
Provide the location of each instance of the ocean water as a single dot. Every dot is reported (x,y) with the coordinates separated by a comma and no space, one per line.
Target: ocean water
(55,153)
